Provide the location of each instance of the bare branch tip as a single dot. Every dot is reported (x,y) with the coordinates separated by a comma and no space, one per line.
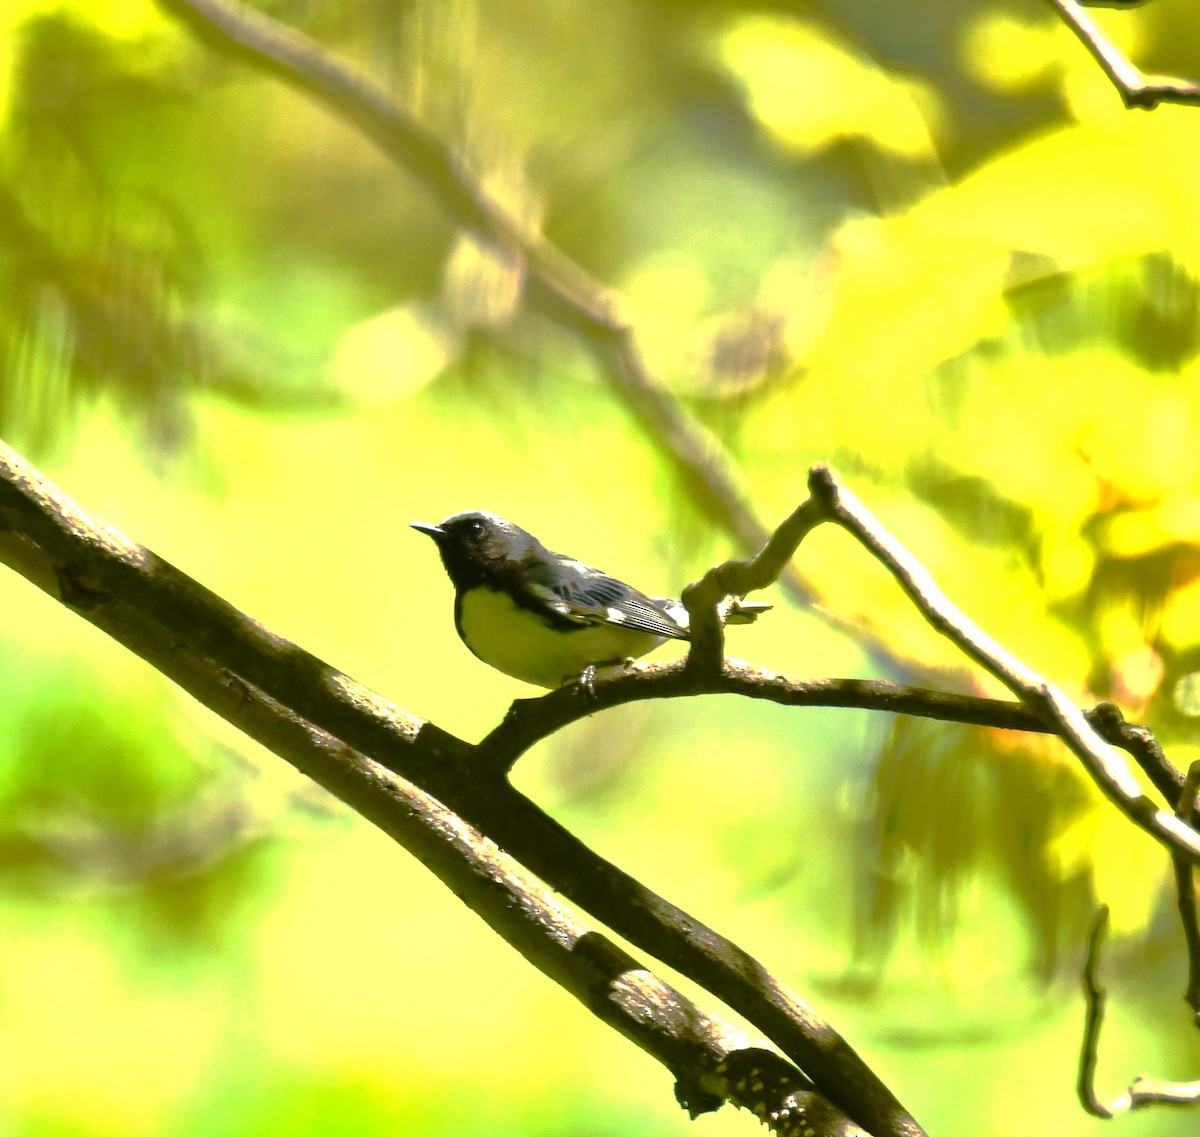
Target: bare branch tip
(823,483)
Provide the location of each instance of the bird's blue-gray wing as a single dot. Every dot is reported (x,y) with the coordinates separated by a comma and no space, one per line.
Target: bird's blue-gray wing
(587,596)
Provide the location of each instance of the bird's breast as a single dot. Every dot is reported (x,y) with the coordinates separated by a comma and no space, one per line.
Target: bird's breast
(523,644)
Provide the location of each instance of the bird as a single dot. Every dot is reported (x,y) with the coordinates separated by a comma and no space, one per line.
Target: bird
(545,618)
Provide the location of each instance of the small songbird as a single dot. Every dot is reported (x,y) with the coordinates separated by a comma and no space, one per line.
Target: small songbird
(543,617)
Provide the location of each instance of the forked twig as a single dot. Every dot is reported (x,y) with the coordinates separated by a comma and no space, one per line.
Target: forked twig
(1185,891)
(1102,762)
(1143,1091)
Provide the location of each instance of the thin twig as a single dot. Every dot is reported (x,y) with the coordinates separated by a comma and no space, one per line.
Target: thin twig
(1094,999)
(1102,762)
(1143,1091)
(529,721)
(1185,892)
(1141,743)
(739,578)
(1135,88)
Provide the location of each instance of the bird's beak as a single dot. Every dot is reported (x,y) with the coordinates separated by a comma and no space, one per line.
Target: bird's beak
(434,531)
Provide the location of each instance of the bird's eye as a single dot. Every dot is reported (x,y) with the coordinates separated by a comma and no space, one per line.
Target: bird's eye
(474,528)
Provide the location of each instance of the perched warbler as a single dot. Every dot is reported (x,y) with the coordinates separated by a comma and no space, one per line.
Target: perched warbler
(543,617)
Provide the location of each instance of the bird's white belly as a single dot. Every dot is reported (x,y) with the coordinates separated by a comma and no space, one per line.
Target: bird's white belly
(518,642)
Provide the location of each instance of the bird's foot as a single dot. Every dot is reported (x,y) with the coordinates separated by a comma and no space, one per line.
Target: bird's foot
(611,667)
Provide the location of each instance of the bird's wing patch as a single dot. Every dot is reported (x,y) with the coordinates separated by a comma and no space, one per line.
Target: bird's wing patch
(588,596)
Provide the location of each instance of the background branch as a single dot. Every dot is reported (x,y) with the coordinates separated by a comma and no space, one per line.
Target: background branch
(1185,892)
(1135,88)
(559,286)
(1143,1091)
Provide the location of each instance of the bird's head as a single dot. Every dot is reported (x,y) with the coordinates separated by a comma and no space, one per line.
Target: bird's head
(477,545)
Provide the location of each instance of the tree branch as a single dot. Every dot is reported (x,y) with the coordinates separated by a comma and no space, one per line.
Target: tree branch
(1135,88)
(1099,759)
(173,622)
(529,721)
(829,501)
(1185,892)
(272,689)
(1143,1091)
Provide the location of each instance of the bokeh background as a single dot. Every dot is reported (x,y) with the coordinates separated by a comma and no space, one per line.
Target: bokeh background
(921,241)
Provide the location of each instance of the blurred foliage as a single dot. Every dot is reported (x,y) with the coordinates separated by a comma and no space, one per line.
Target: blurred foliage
(923,242)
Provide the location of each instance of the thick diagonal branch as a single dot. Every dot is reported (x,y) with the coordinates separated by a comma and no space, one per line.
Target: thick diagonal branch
(233,665)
